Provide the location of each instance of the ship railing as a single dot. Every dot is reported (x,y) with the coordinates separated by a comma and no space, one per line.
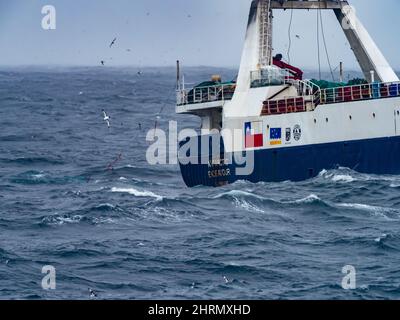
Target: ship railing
(282,106)
(306,88)
(308,101)
(205,94)
(360,92)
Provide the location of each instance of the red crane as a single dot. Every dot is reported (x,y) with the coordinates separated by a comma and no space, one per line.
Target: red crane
(296,73)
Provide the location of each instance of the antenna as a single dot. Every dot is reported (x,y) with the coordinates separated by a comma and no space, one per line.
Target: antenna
(341,72)
(178,75)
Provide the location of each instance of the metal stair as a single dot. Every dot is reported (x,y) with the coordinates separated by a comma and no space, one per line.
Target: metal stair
(265,24)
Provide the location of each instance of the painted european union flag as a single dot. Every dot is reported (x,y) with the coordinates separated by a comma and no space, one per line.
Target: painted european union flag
(275,134)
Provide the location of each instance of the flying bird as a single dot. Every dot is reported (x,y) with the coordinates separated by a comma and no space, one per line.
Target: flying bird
(106,119)
(113,42)
(93,293)
(110,166)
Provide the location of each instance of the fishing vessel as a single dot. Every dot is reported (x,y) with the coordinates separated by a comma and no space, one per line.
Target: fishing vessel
(292,127)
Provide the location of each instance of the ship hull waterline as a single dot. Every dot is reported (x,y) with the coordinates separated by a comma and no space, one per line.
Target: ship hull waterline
(372,156)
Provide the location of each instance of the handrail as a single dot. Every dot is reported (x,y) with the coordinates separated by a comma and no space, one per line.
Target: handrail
(304,87)
(222,92)
(360,92)
(331,95)
(307,88)
(219,92)
(282,106)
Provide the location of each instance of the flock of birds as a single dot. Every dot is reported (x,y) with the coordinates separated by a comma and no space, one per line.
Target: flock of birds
(107,119)
(113,42)
(93,294)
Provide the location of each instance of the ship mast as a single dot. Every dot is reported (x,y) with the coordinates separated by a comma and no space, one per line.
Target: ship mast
(257,50)
(368,55)
(265,24)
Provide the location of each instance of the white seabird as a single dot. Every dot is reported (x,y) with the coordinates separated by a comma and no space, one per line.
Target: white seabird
(93,294)
(106,118)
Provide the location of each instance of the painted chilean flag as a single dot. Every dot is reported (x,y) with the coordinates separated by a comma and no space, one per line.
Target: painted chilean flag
(253,132)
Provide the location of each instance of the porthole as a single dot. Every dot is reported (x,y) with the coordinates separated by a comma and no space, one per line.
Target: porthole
(374,115)
(350,117)
(327,120)
(315,120)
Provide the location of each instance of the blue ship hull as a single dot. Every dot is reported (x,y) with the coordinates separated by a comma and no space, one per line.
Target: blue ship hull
(376,156)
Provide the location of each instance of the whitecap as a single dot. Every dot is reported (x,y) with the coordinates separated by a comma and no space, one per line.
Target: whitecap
(103,220)
(360,206)
(378,211)
(106,205)
(309,199)
(343,178)
(336,177)
(38,176)
(60,220)
(323,173)
(238,193)
(247,206)
(372,177)
(382,237)
(137,193)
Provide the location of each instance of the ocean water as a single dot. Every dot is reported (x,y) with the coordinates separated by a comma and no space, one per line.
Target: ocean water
(136,232)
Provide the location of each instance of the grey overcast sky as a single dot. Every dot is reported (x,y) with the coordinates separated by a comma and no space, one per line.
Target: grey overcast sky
(203,32)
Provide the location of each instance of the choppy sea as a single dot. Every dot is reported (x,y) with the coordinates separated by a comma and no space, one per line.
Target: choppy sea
(82,198)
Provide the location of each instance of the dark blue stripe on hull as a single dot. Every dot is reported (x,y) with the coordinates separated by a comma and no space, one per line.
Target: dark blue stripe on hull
(377,156)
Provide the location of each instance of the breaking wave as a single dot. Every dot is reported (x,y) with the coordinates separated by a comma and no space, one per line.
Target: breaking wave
(137,193)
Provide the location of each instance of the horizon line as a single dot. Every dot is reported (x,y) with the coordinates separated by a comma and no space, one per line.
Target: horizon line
(8,66)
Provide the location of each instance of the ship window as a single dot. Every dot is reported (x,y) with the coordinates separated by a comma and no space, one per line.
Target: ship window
(374,115)
(350,117)
(315,120)
(327,120)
